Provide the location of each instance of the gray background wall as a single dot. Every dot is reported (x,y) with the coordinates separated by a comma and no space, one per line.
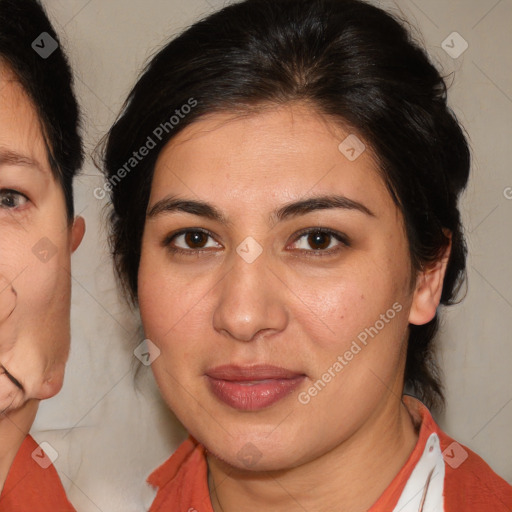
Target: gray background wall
(109,434)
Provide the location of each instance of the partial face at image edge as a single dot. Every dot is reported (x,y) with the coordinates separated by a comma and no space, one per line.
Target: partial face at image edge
(35,249)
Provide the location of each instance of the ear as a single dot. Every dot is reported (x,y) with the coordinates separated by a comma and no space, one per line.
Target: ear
(429,286)
(77,232)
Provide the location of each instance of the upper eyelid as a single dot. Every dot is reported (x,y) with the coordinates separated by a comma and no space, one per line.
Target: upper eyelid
(12,191)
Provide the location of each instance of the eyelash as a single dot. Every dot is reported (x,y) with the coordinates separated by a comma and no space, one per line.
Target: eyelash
(313,253)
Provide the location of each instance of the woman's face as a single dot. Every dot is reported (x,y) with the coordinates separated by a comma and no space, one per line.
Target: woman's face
(275,345)
(35,246)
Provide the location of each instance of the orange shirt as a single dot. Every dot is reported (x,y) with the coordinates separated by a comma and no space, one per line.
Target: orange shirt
(31,488)
(440,475)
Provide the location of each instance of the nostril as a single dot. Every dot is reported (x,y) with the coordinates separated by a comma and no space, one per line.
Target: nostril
(13,379)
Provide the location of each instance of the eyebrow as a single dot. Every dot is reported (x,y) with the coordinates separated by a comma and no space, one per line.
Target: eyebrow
(204,209)
(8,157)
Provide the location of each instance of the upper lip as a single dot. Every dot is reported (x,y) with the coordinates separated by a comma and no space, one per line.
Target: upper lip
(251,373)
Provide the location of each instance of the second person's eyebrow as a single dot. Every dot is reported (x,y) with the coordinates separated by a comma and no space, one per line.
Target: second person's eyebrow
(204,209)
(9,157)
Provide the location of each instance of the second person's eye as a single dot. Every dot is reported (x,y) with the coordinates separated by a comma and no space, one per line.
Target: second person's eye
(12,199)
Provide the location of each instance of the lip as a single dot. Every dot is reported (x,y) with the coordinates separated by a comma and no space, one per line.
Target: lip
(251,388)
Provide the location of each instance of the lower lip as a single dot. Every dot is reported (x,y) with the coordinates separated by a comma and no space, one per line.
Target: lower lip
(253,396)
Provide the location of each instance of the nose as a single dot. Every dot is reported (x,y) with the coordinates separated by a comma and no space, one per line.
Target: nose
(250,300)
(50,383)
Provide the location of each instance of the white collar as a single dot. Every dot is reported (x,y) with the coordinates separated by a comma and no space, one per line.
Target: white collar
(423,491)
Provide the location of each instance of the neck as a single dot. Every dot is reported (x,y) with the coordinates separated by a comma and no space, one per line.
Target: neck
(14,427)
(350,477)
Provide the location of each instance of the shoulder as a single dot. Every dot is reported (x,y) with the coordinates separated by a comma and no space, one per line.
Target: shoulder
(33,482)
(182,481)
(470,481)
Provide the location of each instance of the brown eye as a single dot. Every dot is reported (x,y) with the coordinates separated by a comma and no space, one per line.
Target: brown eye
(188,241)
(195,239)
(320,241)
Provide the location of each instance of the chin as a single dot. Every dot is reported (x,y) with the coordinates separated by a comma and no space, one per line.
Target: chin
(257,451)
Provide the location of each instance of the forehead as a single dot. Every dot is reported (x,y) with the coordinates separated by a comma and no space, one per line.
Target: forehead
(266,157)
(20,128)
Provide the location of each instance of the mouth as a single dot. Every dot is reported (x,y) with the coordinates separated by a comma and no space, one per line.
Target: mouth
(251,388)
(14,380)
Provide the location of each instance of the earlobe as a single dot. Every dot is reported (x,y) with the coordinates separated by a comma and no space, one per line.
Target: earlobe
(429,287)
(77,232)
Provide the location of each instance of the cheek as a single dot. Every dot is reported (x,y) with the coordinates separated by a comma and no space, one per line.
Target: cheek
(46,288)
(15,254)
(358,345)
(171,315)
(169,297)
(371,329)
(37,261)
(347,302)
(36,335)
(158,307)
(8,299)
(43,301)
(161,308)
